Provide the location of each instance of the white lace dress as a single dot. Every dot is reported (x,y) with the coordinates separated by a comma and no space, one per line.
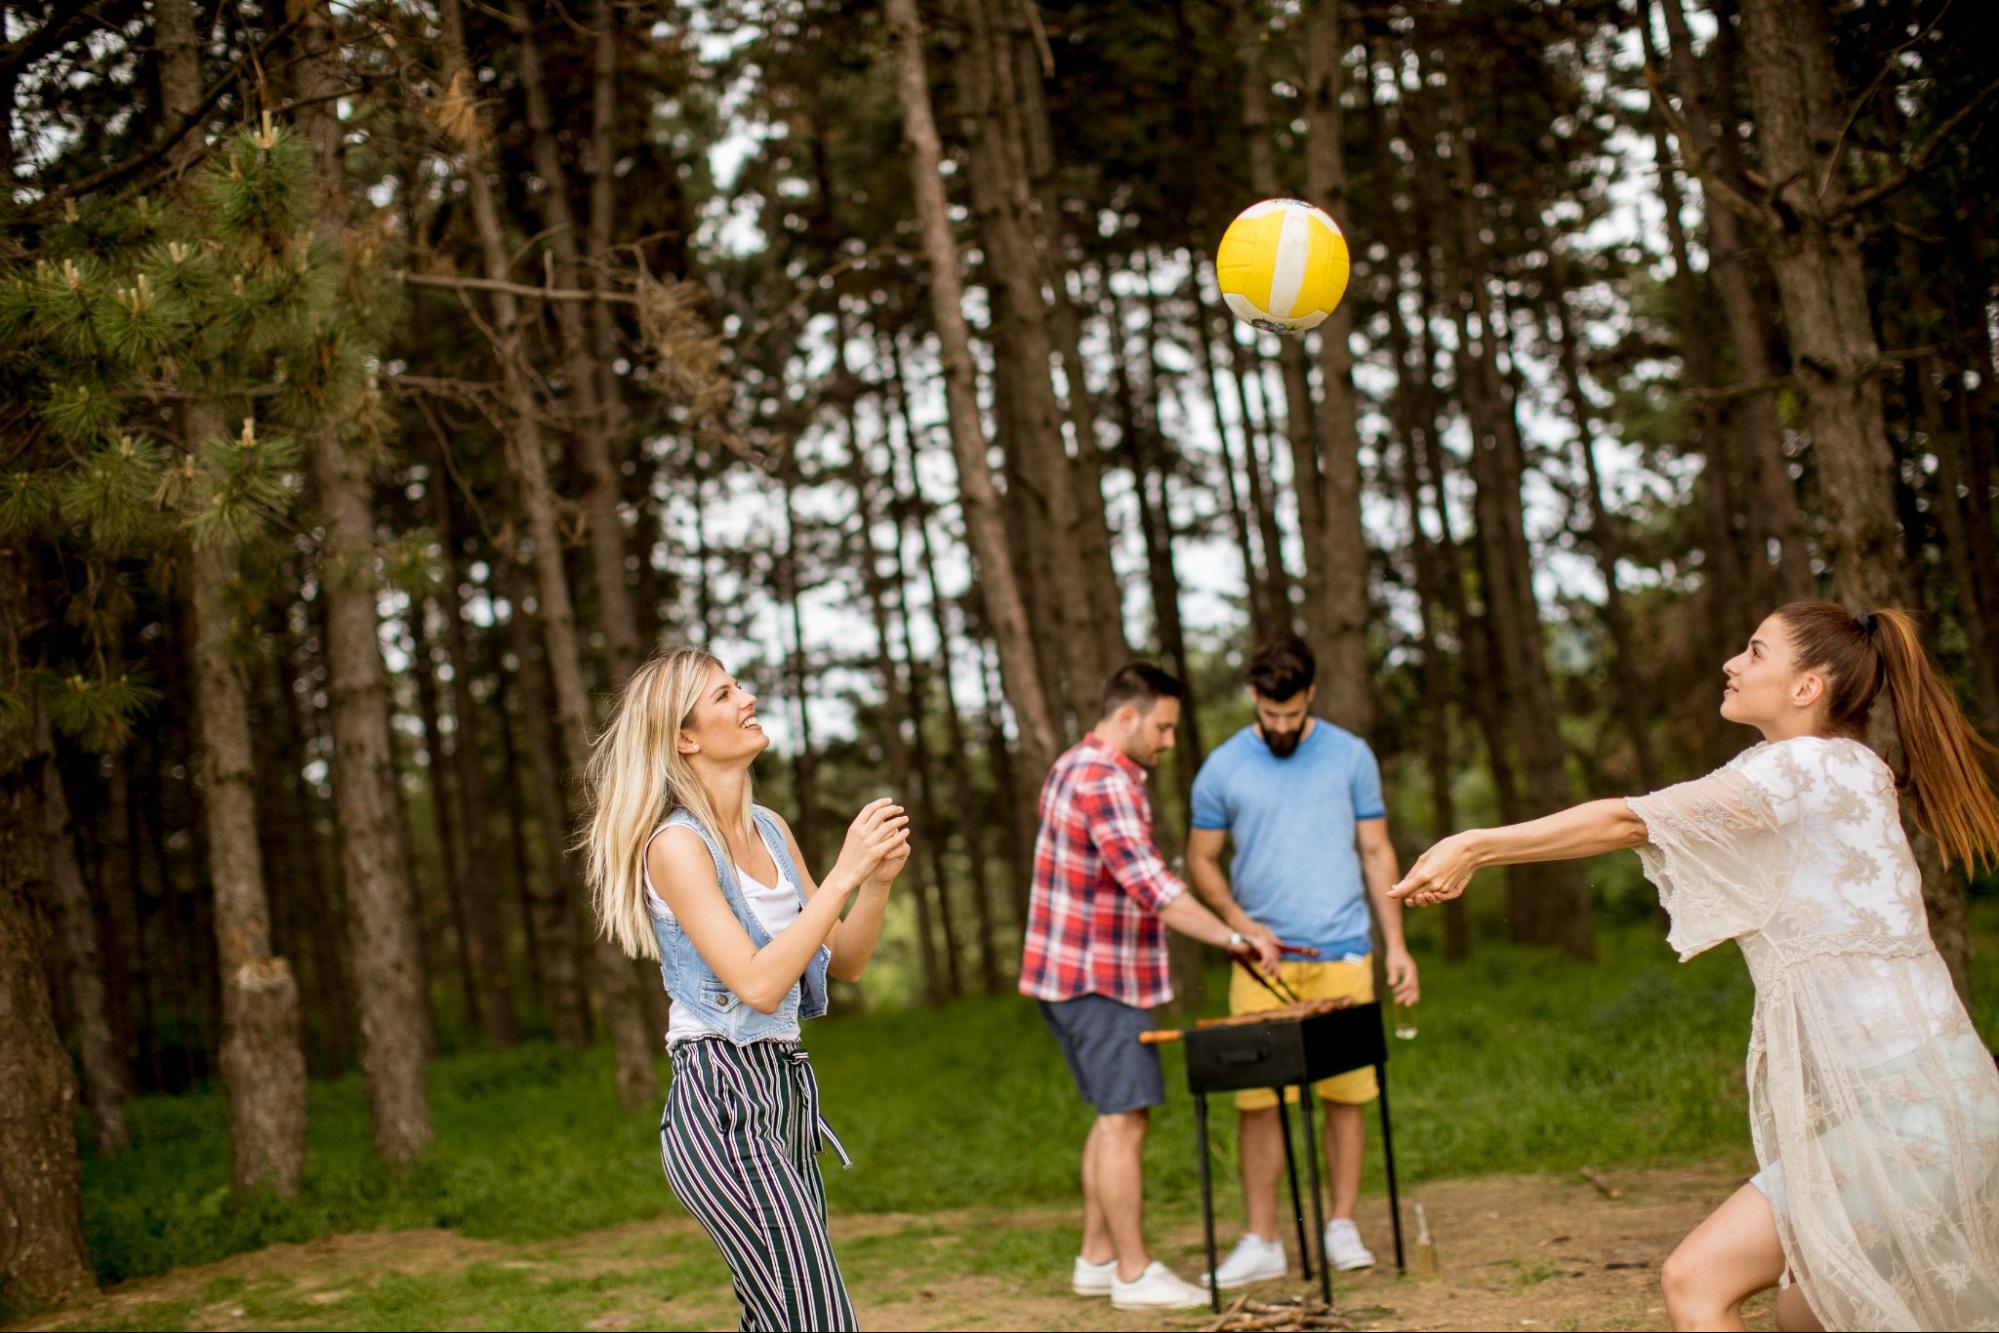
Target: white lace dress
(1873,1103)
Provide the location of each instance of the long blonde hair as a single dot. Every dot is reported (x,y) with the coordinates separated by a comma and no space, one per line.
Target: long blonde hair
(636,778)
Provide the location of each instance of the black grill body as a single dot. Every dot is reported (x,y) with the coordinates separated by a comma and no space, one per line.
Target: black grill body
(1281,1053)
(1284,1052)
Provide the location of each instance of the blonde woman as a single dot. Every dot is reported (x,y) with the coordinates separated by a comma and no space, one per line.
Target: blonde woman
(684,868)
(1874,1106)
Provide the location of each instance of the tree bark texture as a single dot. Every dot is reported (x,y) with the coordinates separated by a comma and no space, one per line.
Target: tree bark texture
(1247,31)
(43,1259)
(1814,242)
(1548,904)
(617,981)
(1040,470)
(1730,258)
(1345,696)
(262,1064)
(486,926)
(104,1082)
(985,530)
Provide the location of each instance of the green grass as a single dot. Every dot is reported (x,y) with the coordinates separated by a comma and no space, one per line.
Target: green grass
(1524,1062)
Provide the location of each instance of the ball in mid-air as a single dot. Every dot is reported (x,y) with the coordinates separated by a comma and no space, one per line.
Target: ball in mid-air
(1282,265)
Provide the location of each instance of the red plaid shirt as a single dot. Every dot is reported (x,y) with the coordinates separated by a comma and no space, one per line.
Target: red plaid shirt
(1099,885)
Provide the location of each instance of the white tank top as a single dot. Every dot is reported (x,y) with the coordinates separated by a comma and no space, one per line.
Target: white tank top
(775,905)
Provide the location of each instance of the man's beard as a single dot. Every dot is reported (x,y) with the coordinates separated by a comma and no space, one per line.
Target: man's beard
(1283,744)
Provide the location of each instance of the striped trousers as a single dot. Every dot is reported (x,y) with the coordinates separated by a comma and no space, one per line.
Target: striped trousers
(740,1141)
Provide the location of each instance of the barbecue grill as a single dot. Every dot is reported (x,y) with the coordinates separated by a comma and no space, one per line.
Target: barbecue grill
(1291,1047)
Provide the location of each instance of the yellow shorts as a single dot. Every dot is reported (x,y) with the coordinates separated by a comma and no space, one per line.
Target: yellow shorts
(1309,981)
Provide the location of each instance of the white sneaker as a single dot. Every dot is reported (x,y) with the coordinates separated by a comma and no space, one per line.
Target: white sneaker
(1093,1279)
(1343,1248)
(1157,1288)
(1254,1259)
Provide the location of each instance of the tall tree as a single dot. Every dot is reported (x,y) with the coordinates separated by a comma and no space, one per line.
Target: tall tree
(527,463)
(1731,254)
(1344,692)
(1006,613)
(486,934)
(1247,34)
(381,899)
(262,1064)
(45,1261)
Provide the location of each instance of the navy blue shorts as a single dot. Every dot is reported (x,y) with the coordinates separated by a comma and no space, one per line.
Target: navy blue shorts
(1114,1071)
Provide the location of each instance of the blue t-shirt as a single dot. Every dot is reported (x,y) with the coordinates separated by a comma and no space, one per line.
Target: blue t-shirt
(1297,868)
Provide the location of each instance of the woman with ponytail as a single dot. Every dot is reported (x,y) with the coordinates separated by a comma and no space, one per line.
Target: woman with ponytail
(1874,1106)
(686,869)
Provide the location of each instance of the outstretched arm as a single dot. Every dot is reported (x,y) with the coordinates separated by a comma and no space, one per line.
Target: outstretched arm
(1583,830)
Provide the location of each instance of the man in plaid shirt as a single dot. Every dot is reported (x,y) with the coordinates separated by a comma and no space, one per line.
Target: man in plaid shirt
(1095,960)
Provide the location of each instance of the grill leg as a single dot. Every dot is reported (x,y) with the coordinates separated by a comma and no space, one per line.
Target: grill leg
(1312,1172)
(1388,1158)
(1207,1203)
(1291,1170)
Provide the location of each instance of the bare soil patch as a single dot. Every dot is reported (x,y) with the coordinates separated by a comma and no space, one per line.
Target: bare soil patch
(1515,1252)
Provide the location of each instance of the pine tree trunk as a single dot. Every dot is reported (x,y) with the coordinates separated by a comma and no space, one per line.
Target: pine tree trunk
(486,934)
(323,973)
(803,765)
(527,464)
(261,1062)
(1040,472)
(176,976)
(926,796)
(1143,443)
(1627,673)
(983,525)
(1814,244)
(1026,96)
(104,1088)
(603,214)
(1019,814)
(597,448)
(1776,510)
(1412,425)
(1246,33)
(1731,612)
(1344,694)
(1547,904)
(968,823)
(262,1065)
(453,867)
(43,1258)
(1814,250)
(125,922)
(1256,579)
(896,708)
(1259,476)
(381,898)
(514,807)
(552,923)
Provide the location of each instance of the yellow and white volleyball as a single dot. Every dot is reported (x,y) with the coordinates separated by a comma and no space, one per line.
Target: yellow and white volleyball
(1282,265)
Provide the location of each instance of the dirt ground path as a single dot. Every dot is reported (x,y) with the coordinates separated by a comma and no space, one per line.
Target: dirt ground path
(1530,1252)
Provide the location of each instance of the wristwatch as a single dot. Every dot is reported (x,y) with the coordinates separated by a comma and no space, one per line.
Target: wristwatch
(1236,941)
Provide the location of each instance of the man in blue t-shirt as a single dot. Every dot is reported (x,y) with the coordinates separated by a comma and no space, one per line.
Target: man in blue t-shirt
(1301,800)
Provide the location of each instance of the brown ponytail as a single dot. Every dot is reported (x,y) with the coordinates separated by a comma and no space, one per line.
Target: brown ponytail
(1947,783)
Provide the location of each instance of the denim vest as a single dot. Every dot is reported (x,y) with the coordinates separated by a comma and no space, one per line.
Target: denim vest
(689,979)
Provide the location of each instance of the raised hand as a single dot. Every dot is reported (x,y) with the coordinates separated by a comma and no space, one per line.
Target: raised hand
(879,832)
(893,862)
(1439,874)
